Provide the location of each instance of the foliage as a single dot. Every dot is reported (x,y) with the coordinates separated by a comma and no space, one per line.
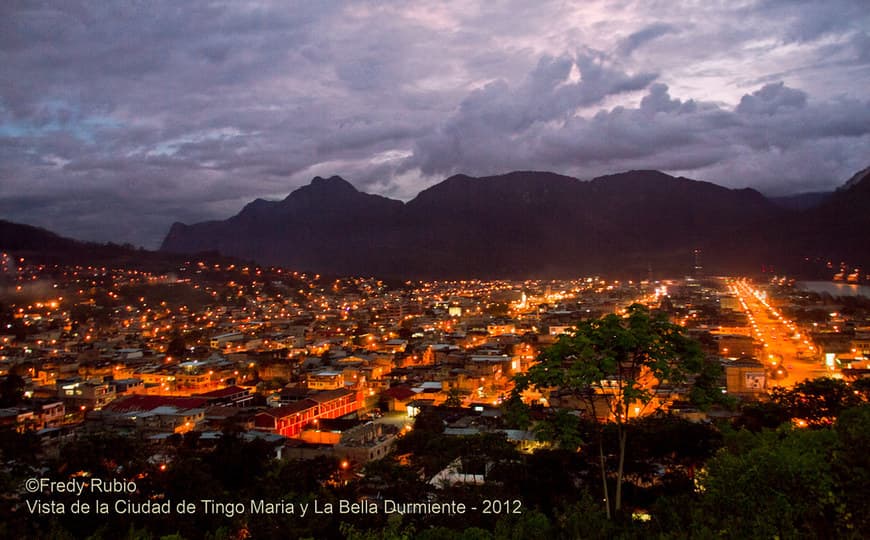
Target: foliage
(563,428)
(762,415)
(392,531)
(11,390)
(817,401)
(454,398)
(530,525)
(622,357)
(585,519)
(706,390)
(177,346)
(614,365)
(861,388)
(851,468)
(515,413)
(772,484)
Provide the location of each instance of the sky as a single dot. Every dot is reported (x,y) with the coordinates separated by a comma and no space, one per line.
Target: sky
(119,118)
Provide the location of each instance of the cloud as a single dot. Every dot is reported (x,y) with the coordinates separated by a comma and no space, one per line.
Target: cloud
(643,36)
(478,137)
(764,141)
(807,20)
(772,98)
(118,118)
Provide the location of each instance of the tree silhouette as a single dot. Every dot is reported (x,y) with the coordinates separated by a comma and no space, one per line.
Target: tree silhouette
(613,367)
(818,402)
(11,390)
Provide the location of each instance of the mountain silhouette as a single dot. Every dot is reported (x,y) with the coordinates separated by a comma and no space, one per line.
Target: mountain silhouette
(524,224)
(520,224)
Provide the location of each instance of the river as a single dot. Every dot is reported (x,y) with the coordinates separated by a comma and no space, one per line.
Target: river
(834,288)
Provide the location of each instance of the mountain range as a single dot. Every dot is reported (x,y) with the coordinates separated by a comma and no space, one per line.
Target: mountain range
(540,224)
(39,245)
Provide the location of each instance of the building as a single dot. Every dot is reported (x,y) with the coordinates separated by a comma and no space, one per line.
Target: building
(225,340)
(397,398)
(20,419)
(51,413)
(735,346)
(325,380)
(336,403)
(172,414)
(366,442)
(85,394)
(288,420)
(231,396)
(745,378)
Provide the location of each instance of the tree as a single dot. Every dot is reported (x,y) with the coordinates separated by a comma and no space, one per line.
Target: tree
(761,415)
(861,388)
(818,402)
(515,413)
(454,398)
(531,524)
(11,390)
(773,484)
(177,346)
(851,467)
(612,366)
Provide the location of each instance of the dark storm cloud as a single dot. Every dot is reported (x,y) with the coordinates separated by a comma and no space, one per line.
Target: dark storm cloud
(649,33)
(477,139)
(119,118)
(772,98)
(807,20)
(775,123)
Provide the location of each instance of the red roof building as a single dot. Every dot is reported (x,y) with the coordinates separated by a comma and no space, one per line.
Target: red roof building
(288,420)
(149,403)
(336,403)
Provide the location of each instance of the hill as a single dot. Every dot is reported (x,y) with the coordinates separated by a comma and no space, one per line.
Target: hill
(521,224)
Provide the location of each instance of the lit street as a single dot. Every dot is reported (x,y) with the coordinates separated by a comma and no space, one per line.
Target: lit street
(784,344)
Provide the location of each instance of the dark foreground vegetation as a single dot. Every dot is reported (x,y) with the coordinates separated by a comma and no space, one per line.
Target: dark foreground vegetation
(753,476)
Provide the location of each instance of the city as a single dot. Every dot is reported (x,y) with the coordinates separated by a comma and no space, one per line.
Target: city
(315,367)
(464,270)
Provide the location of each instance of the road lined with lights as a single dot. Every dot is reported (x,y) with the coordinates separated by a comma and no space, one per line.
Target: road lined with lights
(789,353)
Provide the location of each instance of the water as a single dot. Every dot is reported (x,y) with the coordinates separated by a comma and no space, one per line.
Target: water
(835,289)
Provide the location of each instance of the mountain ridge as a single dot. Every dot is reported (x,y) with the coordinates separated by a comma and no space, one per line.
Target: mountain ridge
(517,225)
(522,223)
(39,244)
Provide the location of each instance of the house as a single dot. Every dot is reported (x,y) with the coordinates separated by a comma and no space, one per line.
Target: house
(288,420)
(325,380)
(287,395)
(219,417)
(173,414)
(336,403)
(51,413)
(366,442)
(171,419)
(20,419)
(398,397)
(745,378)
(89,395)
(459,472)
(225,340)
(129,386)
(232,396)
(347,440)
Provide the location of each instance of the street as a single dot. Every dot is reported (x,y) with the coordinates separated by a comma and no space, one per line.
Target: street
(784,343)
